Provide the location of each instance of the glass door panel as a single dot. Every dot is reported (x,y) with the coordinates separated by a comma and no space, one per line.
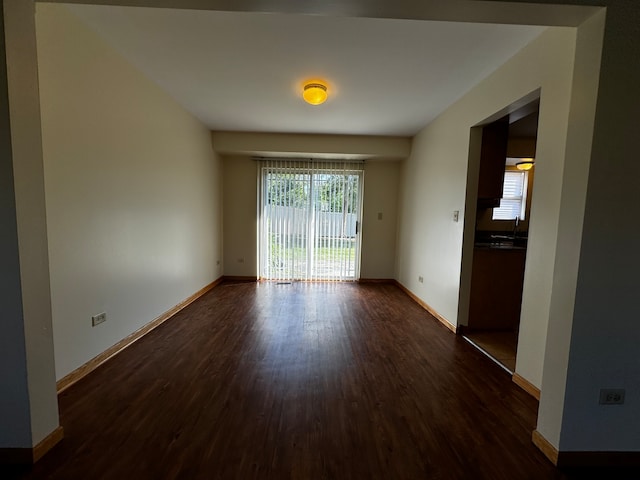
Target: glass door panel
(310,224)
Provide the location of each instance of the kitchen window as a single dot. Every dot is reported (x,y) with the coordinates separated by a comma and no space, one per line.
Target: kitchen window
(514,197)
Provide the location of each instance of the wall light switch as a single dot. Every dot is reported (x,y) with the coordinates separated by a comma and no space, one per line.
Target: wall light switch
(456,215)
(379,215)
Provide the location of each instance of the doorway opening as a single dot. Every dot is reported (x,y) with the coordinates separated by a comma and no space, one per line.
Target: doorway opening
(501,232)
(310,220)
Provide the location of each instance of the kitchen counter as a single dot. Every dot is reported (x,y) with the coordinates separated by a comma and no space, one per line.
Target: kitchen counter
(499,246)
(501,242)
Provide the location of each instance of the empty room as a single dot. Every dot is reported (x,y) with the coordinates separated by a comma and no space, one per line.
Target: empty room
(348,239)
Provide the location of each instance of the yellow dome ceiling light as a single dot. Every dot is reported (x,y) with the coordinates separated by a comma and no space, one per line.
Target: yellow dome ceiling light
(525,164)
(315,93)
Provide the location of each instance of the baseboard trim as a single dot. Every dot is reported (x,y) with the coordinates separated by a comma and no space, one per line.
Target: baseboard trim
(47,443)
(385,281)
(427,307)
(232,278)
(584,459)
(526,385)
(26,456)
(599,459)
(545,447)
(82,371)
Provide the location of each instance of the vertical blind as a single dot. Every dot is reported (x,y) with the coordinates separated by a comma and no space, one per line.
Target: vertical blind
(310,219)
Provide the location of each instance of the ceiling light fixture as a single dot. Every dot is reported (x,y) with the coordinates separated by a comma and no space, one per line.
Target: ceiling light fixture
(315,93)
(526,164)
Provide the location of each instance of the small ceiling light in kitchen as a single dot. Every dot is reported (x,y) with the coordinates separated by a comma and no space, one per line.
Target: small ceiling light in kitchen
(315,93)
(525,164)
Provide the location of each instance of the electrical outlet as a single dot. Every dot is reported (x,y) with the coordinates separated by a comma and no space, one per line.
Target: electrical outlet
(420,279)
(98,319)
(611,396)
(456,215)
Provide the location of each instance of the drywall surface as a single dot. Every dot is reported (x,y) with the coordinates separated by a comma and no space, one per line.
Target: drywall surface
(240,195)
(29,398)
(434,180)
(14,403)
(318,146)
(379,220)
(606,332)
(132,192)
(241,176)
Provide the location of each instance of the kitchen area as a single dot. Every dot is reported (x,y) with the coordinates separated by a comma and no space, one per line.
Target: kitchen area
(505,187)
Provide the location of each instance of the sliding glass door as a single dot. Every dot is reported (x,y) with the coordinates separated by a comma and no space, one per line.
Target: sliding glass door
(310,228)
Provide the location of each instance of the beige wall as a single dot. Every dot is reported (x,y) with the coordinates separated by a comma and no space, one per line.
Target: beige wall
(434,182)
(132,191)
(28,403)
(240,217)
(381,182)
(318,146)
(592,317)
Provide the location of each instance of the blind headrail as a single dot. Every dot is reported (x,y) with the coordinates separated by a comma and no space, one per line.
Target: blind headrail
(310,159)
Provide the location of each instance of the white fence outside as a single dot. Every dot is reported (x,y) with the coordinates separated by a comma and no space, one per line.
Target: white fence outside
(328,225)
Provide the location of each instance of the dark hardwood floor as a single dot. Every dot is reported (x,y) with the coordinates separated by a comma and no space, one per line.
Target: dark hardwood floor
(301,381)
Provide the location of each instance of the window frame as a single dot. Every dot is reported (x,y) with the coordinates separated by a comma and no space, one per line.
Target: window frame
(522,199)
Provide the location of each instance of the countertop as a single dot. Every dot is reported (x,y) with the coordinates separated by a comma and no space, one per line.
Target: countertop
(497,246)
(501,242)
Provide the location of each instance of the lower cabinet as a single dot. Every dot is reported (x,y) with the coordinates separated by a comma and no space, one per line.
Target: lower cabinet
(496,288)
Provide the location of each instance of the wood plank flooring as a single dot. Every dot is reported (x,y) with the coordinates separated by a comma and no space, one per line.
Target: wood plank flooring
(301,381)
(500,345)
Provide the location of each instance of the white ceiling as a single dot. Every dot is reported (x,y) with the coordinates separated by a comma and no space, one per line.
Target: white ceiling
(244,71)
